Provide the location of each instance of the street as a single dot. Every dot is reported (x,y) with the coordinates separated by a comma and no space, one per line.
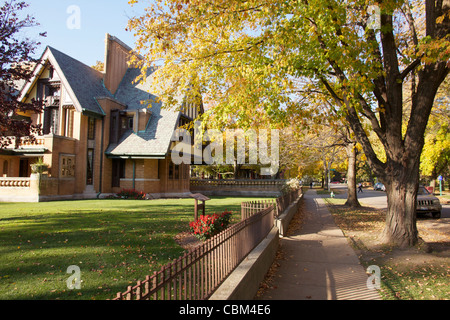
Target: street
(378,199)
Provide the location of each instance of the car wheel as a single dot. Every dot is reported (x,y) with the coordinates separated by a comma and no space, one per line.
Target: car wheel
(436,215)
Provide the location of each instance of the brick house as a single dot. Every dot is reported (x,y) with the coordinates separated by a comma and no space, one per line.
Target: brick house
(99,135)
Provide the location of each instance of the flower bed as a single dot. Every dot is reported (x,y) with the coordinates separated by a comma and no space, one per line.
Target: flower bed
(209,225)
(131,194)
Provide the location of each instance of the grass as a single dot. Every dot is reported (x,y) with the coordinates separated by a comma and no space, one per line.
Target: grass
(113,242)
(326,192)
(419,282)
(406,274)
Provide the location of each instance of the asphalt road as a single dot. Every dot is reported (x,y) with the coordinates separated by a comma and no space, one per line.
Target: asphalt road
(378,199)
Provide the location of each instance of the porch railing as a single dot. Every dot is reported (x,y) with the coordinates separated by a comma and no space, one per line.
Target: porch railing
(198,273)
(14,182)
(27,142)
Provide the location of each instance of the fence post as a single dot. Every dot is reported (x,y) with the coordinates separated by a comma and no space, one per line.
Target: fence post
(147,287)
(155,282)
(129,293)
(138,290)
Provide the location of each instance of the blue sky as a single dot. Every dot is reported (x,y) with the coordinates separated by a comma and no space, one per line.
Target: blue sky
(84,42)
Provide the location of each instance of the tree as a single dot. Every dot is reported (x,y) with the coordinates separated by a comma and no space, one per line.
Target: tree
(99,66)
(248,56)
(16,67)
(351,149)
(435,158)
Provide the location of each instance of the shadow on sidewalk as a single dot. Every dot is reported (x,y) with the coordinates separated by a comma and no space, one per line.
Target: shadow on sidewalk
(315,261)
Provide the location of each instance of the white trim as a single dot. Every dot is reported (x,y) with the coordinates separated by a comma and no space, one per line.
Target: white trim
(48,56)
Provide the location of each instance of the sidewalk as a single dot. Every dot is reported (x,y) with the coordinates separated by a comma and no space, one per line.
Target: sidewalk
(318,262)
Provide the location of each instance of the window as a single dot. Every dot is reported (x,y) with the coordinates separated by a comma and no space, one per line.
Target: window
(51,115)
(91,129)
(67,166)
(5,168)
(177,171)
(127,123)
(115,126)
(174,171)
(69,115)
(170,171)
(90,167)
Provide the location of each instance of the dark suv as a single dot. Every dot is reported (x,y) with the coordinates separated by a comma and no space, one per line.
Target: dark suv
(426,202)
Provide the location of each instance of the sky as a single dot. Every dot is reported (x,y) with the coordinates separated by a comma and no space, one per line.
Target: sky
(78,27)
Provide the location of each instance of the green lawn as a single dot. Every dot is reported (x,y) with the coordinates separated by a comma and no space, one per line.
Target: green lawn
(406,274)
(113,242)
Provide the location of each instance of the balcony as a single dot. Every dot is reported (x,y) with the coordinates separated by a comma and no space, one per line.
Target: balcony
(26,146)
(25,142)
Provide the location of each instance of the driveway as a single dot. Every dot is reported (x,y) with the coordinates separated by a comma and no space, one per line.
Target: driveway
(378,199)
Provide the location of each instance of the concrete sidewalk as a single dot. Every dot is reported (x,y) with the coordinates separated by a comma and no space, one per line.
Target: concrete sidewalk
(318,263)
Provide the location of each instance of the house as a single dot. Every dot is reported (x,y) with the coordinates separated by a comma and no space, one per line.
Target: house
(102,132)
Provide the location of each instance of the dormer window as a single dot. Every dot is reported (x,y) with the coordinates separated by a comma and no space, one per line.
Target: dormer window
(127,123)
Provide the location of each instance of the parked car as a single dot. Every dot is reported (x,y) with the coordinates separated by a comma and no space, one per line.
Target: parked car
(428,203)
(379,186)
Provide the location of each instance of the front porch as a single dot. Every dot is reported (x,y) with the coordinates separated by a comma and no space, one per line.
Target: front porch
(20,183)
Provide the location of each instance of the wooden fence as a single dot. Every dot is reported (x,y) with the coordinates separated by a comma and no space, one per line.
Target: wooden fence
(198,273)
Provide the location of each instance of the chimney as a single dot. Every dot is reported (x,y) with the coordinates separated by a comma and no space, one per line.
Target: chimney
(117,55)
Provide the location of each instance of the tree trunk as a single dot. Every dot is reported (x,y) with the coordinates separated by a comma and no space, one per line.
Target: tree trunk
(325,174)
(401,189)
(352,198)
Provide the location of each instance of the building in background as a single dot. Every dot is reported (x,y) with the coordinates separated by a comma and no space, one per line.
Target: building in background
(102,132)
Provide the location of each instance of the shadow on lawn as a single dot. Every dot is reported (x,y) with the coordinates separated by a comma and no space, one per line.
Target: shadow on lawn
(113,243)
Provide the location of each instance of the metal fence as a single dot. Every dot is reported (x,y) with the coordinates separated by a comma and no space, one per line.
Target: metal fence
(250,208)
(285,201)
(198,273)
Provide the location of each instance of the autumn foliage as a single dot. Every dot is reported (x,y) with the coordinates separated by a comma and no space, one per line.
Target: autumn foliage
(16,66)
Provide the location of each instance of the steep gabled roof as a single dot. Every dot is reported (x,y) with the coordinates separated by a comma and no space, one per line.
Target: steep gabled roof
(83,83)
